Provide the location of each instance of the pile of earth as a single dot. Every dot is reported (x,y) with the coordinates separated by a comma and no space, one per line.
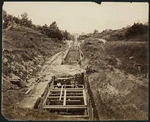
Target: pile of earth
(24,51)
(119,92)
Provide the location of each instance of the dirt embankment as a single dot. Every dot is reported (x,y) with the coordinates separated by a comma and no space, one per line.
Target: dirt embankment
(136,32)
(120,90)
(24,52)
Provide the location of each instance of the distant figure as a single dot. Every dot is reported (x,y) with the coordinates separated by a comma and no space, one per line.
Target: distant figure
(59,85)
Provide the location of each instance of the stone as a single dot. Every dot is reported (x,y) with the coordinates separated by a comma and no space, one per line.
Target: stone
(17,81)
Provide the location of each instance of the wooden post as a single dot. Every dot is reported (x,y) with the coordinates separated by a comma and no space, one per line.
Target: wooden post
(84,97)
(85,112)
(64,103)
(52,83)
(82,75)
(61,92)
(44,102)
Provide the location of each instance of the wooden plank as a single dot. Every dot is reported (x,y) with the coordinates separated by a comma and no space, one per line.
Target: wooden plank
(75,116)
(69,100)
(53,97)
(66,97)
(55,94)
(64,103)
(62,78)
(74,89)
(71,85)
(29,89)
(84,97)
(55,91)
(70,89)
(61,92)
(74,94)
(76,102)
(65,106)
(46,97)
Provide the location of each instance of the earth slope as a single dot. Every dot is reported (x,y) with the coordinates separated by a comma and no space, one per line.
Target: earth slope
(24,51)
(119,89)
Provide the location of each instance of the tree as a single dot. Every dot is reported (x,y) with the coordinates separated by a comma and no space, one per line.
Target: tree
(95,31)
(54,31)
(54,26)
(4,15)
(24,16)
(51,31)
(7,19)
(16,20)
(24,21)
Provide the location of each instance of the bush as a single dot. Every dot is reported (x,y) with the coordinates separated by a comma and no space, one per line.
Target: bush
(51,31)
(136,29)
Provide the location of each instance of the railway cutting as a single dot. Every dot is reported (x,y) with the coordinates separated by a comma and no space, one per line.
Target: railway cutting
(63,88)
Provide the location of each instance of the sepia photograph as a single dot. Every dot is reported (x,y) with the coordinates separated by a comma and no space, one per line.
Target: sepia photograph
(75,61)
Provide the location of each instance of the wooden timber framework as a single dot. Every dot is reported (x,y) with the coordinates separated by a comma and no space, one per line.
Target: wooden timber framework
(68,99)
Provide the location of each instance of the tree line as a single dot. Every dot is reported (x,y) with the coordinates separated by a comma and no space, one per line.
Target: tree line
(52,31)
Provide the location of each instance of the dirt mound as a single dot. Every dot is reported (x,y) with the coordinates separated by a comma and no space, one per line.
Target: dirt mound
(120,90)
(23,53)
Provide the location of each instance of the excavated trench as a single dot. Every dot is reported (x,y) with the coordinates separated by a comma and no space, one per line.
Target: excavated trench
(69,95)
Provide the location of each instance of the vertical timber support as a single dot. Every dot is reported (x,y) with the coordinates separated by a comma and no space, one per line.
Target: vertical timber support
(83,79)
(53,79)
(64,102)
(84,97)
(44,102)
(61,92)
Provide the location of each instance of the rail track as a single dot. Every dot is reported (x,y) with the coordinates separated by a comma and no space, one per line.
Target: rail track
(67,95)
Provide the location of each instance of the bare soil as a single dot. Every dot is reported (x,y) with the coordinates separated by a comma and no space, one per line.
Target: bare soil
(120,90)
(31,58)
(24,53)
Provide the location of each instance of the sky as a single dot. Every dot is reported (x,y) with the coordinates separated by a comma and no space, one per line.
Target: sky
(79,17)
